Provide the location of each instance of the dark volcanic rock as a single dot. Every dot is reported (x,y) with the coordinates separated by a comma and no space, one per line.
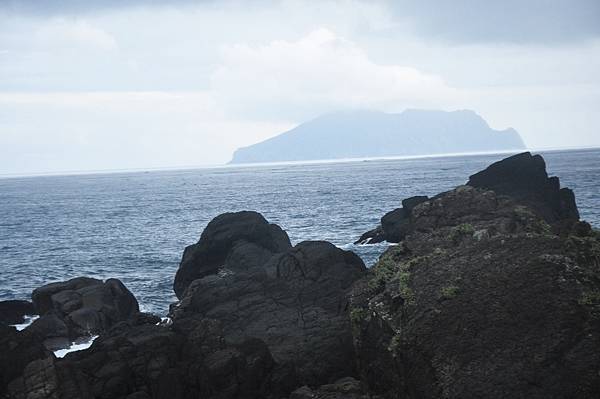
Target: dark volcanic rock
(481,299)
(17,350)
(188,360)
(344,388)
(295,303)
(395,225)
(265,322)
(14,311)
(80,307)
(222,234)
(524,178)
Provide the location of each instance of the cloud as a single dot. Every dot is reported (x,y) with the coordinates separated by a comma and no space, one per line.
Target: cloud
(461,21)
(541,22)
(70,131)
(69,33)
(317,73)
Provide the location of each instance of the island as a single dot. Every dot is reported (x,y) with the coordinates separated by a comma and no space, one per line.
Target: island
(372,134)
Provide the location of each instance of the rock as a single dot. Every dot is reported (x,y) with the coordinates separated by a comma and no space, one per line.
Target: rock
(481,299)
(295,303)
(80,307)
(18,349)
(139,361)
(14,311)
(344,388)
(523,177)
(394,224)
(221,235)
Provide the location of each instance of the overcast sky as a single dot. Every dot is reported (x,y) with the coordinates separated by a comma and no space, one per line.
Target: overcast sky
(94,85)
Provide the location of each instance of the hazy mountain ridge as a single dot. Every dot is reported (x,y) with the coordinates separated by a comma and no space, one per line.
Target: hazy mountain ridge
(359,134)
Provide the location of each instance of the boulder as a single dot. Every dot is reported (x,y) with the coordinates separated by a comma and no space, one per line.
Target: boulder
(523,177)
(481,299)
(14,311)
(222,234)
(295,302)
(80,307)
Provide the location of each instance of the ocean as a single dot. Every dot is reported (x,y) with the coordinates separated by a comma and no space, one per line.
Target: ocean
(134,226)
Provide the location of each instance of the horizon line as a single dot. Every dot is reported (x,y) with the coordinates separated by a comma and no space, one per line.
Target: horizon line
(85,172)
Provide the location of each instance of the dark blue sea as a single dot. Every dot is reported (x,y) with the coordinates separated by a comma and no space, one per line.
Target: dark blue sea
(134,226)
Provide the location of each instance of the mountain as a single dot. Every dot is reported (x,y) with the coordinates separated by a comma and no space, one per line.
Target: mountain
(361,134)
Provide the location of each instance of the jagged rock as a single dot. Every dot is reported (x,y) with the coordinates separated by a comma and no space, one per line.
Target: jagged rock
(224,233)
(481,299)
(295,303)
(80,307)
(523,177)
(394,225)
(14,311)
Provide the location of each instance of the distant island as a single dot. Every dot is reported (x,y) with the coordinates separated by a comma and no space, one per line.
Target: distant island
(362,134)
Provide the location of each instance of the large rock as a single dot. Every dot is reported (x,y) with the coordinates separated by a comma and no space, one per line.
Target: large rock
(223,234)
(139,360)
(481,299)
(80,307)
(296,303)
(523,177)
(14,311)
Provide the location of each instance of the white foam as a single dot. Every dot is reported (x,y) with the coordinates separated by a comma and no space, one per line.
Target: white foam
(26,323)
(75,347)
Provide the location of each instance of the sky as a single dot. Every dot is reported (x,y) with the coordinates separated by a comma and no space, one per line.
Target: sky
(134,84)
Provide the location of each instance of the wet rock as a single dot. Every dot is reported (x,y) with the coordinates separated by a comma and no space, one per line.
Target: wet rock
(223,234)
(80,307)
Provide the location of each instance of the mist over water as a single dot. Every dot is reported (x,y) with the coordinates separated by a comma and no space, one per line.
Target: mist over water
(134,226)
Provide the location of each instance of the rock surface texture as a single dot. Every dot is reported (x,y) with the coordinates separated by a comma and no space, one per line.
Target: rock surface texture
(241,237)
(14,311)
(492,292)
(481,299)
(80,307)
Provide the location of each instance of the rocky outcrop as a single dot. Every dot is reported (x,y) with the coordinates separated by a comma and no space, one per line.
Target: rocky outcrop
(80,307)
(14,311)
(262,320)
(481,299)
(395,225)
(295,302)
(240,237)
(523,177)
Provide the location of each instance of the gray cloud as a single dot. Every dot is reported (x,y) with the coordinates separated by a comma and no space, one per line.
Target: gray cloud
(461,21)
(508,21)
